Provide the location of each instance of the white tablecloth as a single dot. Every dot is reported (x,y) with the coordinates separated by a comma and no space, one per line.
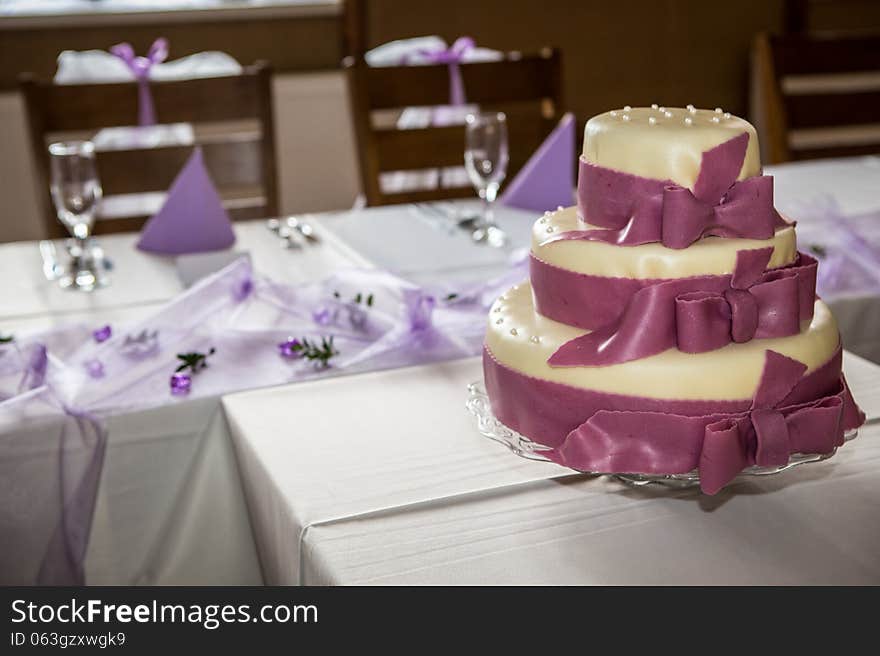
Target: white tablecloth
(383,478)
(852,182)
(848,187)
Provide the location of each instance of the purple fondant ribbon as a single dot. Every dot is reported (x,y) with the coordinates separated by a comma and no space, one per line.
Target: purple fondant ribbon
(766,434)
(140,68)
(631,210)
(452,57)
(702,313)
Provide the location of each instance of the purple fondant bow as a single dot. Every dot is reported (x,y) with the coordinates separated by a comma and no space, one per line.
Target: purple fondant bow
(632,210)
(452,57)
(702,313)
(720,445)
(140,68)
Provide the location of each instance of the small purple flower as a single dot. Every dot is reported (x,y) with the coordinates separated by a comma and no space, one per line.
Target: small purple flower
(323,316)
(103,334)
(291,348)
(243,289)
(95,368)
(180,384)
(419,309)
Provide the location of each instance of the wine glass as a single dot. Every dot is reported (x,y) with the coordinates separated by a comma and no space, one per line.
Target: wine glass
(76,192)
(485,158)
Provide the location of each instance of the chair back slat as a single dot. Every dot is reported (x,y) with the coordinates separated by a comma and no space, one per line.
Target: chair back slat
(804,55)
(822,110)
(816,96)
(509,80)
(234,161)
(231,164)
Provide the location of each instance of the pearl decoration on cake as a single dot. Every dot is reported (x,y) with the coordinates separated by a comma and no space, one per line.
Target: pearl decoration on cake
(626,108)
(549,228)
(500,321)
(534,339)
(692,109)
(667,114)
(652,120)
(559,208)
(613,113)
(718,110)
(625,117)
(715,119)
(726,114)
(655,106)
(688,120)
(513,332)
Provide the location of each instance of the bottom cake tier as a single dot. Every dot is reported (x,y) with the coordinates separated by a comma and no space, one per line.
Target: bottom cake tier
(722,411)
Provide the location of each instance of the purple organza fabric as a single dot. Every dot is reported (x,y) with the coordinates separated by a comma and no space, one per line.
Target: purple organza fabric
(140,68)
(452,57)
(53,406)
(848,247)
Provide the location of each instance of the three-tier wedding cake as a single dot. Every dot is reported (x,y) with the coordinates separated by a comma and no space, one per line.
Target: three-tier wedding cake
(670,323)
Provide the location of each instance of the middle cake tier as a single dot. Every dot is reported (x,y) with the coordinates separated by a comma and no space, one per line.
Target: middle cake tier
(523,340)
(588,283)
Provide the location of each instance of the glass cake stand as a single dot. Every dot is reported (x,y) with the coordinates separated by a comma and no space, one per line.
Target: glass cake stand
(489,426)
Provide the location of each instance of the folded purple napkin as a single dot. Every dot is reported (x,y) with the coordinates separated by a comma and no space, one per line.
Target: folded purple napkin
(547,179)
(192,220)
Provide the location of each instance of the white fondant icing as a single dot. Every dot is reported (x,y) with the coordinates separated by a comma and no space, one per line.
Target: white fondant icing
(668,148)
(731,372)
(709,256)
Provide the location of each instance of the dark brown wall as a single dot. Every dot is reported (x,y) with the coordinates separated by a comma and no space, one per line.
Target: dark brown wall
(635,52)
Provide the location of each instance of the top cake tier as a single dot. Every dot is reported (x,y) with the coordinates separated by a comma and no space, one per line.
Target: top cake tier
(665,143)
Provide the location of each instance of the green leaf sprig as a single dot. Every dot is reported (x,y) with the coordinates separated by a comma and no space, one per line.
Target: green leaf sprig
(359,298)
(194,361)
(319,354)
(6,339)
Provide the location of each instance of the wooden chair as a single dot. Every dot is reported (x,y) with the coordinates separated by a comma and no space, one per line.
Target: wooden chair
(231,120)
(526,87)
(816,96)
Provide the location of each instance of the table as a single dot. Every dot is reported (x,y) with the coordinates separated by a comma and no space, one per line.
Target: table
(406,491)
(142,282)
(852,182)
(169,484)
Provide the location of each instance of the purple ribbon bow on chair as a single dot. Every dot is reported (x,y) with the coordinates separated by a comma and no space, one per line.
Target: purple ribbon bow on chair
(140,68)
(635,210)
(721,445)
(452,56)
(702,313)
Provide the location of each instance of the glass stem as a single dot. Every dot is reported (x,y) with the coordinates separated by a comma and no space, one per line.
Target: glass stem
(488,199)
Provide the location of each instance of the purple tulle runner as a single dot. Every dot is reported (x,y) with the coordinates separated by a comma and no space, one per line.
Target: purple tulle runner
(53,409)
